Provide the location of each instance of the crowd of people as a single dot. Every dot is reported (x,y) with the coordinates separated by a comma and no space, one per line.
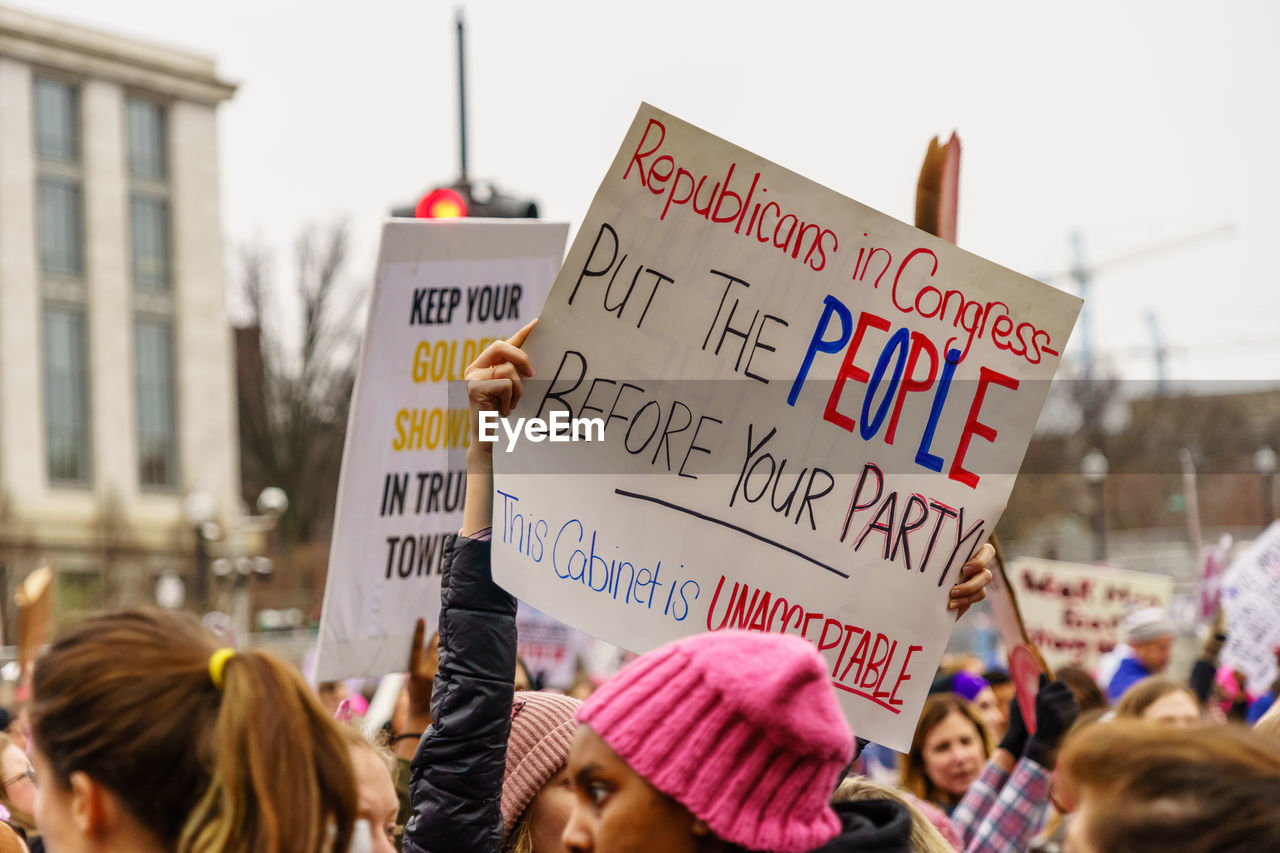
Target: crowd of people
(144,734)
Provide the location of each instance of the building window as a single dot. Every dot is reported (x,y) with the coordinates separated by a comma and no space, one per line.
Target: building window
(60,241)
(57,120)
(149,226)
(151,247)
(157,439)
(79,594)
(60,225)
(145,126)
(66,393)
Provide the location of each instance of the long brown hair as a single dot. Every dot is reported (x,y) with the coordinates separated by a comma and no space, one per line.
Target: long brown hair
(257,765)
(1158,788)
(1142,695)
(937,708)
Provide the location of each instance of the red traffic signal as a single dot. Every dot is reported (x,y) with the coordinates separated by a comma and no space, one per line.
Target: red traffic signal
(441,203)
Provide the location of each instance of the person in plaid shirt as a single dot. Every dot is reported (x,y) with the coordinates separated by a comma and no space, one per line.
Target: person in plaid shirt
(1005,807)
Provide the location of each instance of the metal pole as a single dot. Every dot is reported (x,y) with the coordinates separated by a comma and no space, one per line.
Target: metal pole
(202,571)
(462,98)
(1268,501)
(1100,522)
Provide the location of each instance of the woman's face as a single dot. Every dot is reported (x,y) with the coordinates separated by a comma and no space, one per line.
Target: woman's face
(1173,709)
(550,812)
(376,802)
(18,786)
(991,712)
(953,754)
(54,819)
(1079,829)
(616,811)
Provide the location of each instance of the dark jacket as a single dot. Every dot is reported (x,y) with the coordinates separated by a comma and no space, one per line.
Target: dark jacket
(871,826)
(457,771)
(868,826)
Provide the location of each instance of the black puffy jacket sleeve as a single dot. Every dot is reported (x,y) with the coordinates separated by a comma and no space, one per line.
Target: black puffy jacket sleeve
(457,771)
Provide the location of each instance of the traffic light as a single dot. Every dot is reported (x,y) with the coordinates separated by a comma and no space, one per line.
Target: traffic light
(464,199)
(441,203)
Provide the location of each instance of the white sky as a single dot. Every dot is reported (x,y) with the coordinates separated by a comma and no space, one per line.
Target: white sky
(1135,123)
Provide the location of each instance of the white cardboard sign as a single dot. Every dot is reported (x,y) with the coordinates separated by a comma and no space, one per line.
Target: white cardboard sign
(1073,612)
(788,446)
(1251,599)
(444,290)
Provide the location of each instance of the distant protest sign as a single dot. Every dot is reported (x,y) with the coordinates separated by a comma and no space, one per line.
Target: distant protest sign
(1073,612)
(550,650)
(813,414)
(445,289)
(1251,599)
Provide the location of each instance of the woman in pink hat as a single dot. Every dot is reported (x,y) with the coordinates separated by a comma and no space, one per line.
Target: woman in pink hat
(717,742)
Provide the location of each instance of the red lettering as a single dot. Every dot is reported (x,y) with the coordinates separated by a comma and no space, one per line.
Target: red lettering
(823,645)
(972,426)
(902,268)
(675,185)
(919,344)
(871,671)
(637,157)
(715,214)
(875,691)
(712,609)
(848,371)
(760,227)
(902,675)
(656,180)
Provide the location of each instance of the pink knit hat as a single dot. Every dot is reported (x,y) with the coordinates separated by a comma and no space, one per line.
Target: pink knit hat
(542,728)
(742,728)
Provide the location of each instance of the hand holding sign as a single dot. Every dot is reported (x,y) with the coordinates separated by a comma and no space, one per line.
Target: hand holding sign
(495,380)
(495,383)
(974,587)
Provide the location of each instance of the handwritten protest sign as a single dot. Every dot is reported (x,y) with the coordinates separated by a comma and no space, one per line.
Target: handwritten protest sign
(444,290)
(1073,612)
(813,415)
(1251,599)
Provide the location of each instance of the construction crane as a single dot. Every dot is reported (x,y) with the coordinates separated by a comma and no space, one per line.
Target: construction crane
(1083,275)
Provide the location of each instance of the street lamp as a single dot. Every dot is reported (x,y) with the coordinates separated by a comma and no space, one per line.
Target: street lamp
(242,569)
(171,592)
(1264,462)
(200,508)
(1094,467)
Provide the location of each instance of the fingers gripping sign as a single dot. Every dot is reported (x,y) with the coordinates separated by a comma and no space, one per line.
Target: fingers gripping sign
(495,381)
(974,586)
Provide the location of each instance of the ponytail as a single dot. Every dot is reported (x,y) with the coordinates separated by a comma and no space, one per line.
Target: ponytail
(254,765)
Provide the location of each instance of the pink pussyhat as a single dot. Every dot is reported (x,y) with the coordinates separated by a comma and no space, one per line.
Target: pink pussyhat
(741,728)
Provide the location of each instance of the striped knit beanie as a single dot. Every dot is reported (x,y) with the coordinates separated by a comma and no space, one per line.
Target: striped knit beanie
(741,728)
(542,728)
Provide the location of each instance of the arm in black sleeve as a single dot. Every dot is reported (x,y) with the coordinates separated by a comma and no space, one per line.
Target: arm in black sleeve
(457,771)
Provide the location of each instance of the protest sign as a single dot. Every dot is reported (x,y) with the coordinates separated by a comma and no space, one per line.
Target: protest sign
(445,289)
(550,649)
(1073,612)
(1214,560)
(813,414)
(1251,599)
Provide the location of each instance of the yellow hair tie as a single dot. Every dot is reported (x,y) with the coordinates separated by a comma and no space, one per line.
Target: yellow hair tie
(217,663)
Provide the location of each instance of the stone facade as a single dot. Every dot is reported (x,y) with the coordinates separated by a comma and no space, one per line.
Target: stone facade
(110,537)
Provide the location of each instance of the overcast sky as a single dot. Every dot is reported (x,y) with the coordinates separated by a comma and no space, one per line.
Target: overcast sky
(1134,123)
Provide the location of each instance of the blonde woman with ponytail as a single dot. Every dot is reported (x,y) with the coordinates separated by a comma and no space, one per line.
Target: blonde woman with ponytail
(149,737)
